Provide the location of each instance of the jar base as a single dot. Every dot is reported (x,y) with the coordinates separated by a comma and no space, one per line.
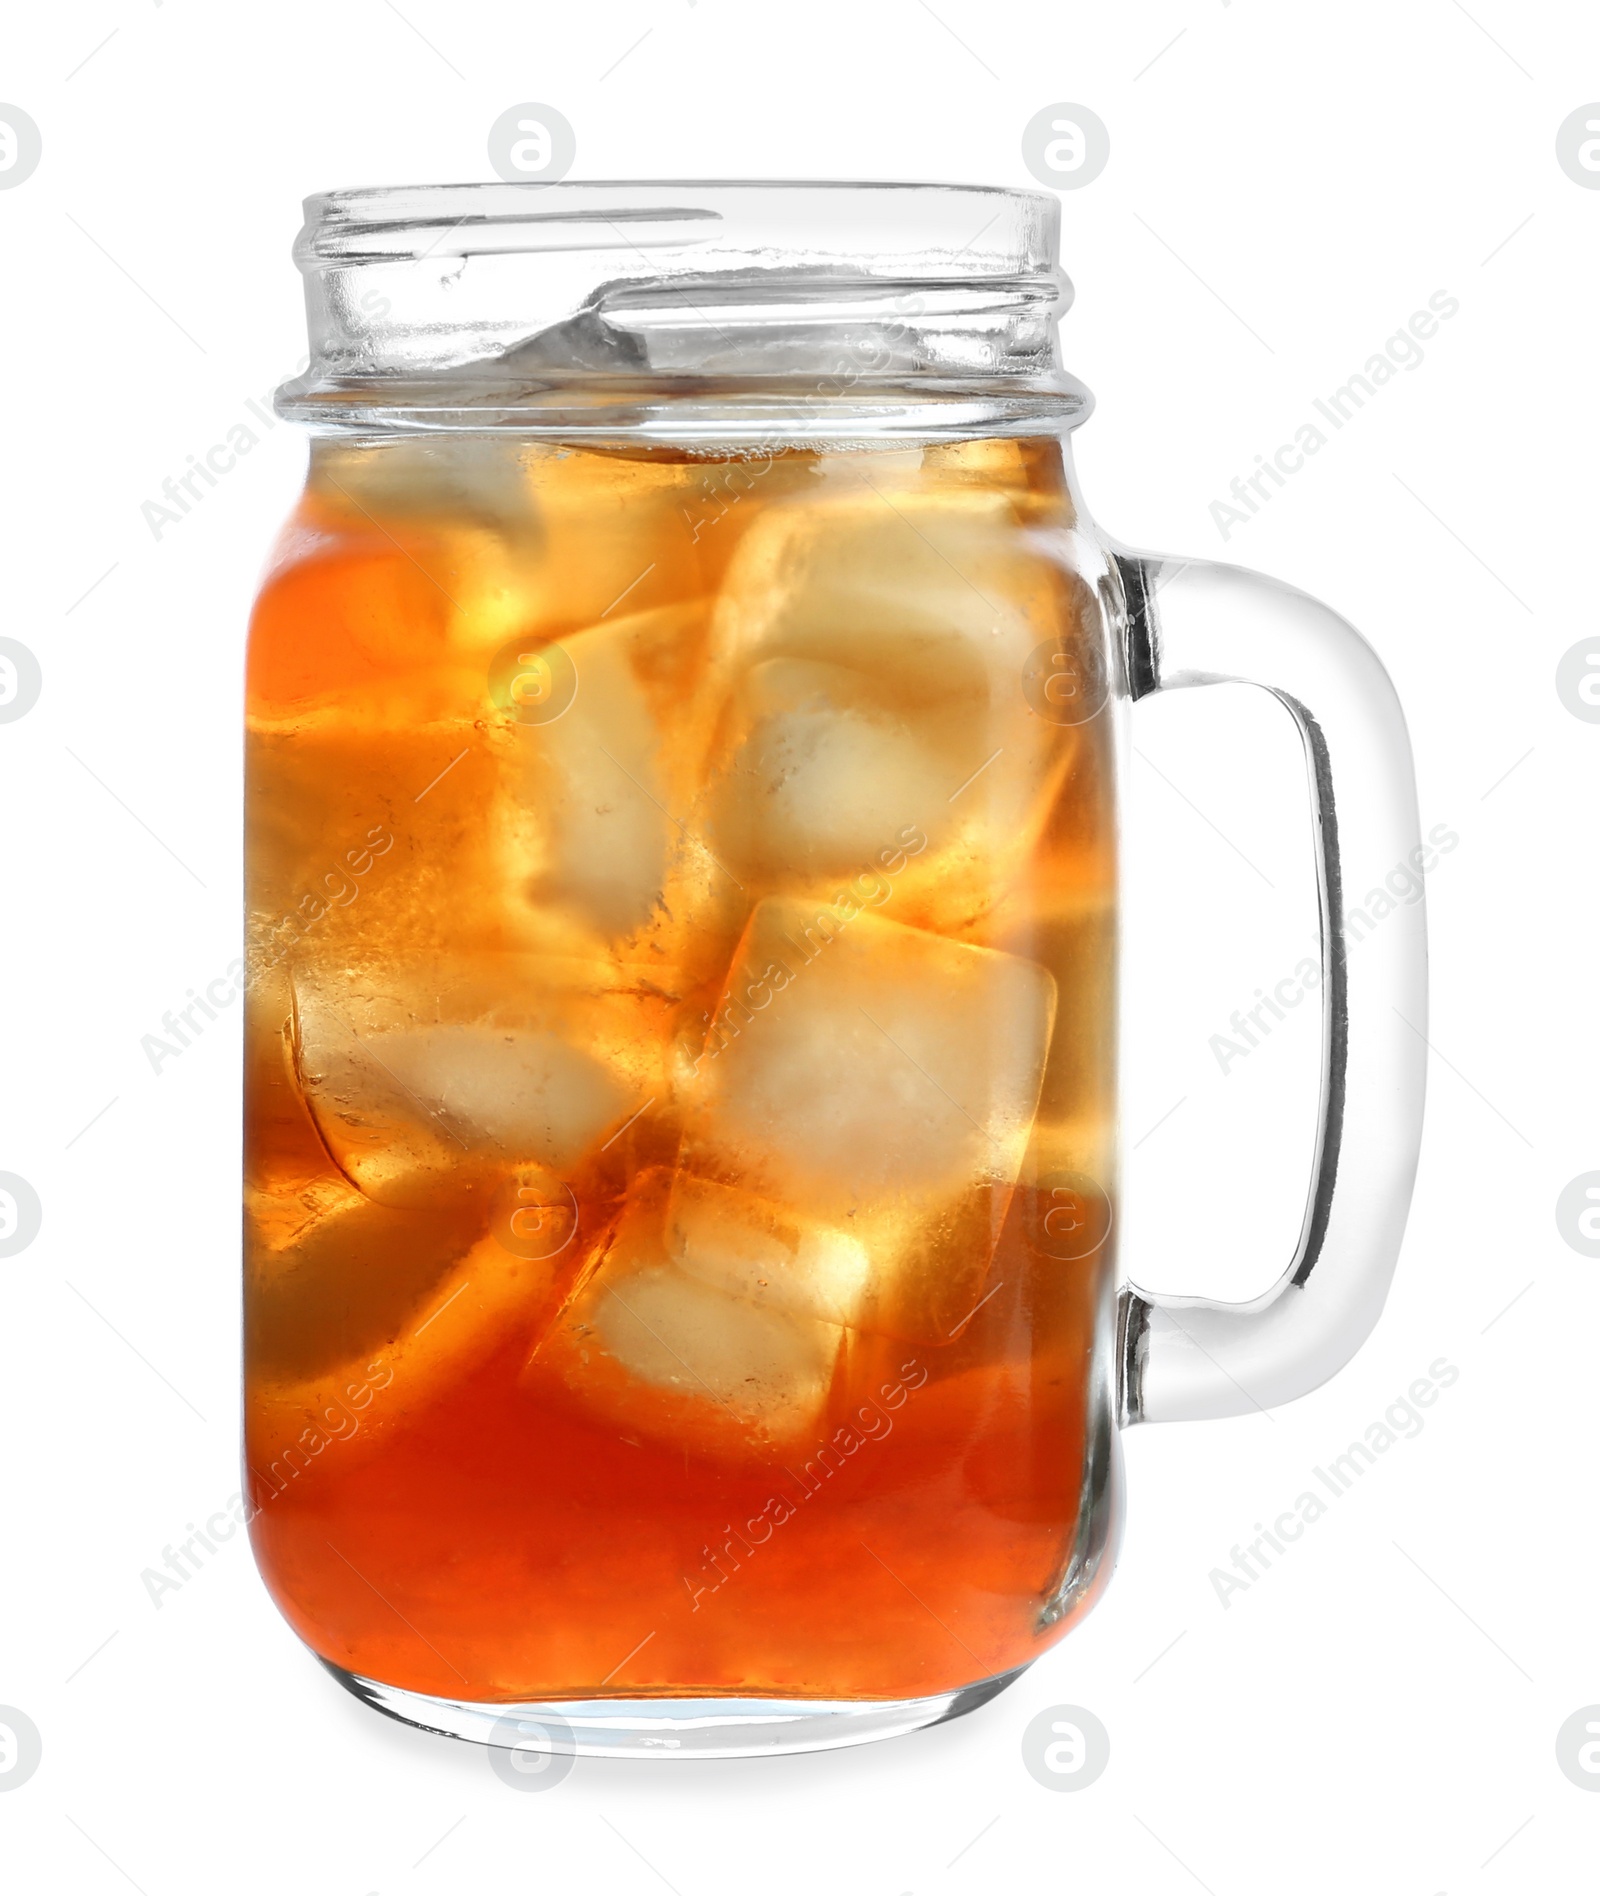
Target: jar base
(672,1727)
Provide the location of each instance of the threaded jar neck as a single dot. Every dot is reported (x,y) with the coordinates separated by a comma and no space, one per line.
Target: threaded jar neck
(684,312)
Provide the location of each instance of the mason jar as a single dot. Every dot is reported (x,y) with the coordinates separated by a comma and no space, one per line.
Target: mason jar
(685,708)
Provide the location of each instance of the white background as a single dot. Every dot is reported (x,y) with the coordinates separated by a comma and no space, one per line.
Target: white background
(1287,184)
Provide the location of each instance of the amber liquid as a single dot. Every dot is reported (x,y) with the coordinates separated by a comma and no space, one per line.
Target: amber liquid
(680,1067)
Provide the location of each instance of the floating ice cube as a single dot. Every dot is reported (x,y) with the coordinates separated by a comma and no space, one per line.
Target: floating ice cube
(598,791)
(1068,923)
(359,1315)
(331,1274)
(776,1257)
(436,478)
(401,1106)
(674,1349)
(873,651)
(823,775)
(881,1081)
(589,813)
(390,649)
(934,591)
(616,534)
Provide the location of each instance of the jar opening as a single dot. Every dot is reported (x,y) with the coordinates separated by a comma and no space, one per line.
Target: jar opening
(683,309)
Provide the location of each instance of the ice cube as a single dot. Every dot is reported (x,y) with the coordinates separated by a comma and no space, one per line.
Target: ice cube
(598,791)
(589,824)
(617,536)
(434,478)
(401,1107)
(515,540)
(330,1274)
(369,632)
(932,590)
(735,1241)
(881,1081)
(359,1315)
(1072,930)
(676,1351)
(872,650)
(822,774)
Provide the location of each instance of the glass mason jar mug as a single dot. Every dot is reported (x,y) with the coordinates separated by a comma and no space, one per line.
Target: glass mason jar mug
(681,1165)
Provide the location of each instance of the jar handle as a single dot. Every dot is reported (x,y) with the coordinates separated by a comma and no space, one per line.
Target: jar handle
(1197,623)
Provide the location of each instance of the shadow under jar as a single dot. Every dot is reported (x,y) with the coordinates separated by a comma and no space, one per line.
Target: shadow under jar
(680,1311)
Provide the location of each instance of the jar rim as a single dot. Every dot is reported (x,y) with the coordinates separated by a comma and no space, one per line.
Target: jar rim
(714,308)
(902,230)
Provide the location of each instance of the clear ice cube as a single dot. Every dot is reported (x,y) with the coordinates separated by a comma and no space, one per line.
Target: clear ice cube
(872,650)
(673,1349)
(401,1106)
(879,1081)
(360,1315)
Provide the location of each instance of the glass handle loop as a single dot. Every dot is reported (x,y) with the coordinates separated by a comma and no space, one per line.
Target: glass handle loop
(1186,1358)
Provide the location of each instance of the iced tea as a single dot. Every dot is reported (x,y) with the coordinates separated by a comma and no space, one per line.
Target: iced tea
(680,1066)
